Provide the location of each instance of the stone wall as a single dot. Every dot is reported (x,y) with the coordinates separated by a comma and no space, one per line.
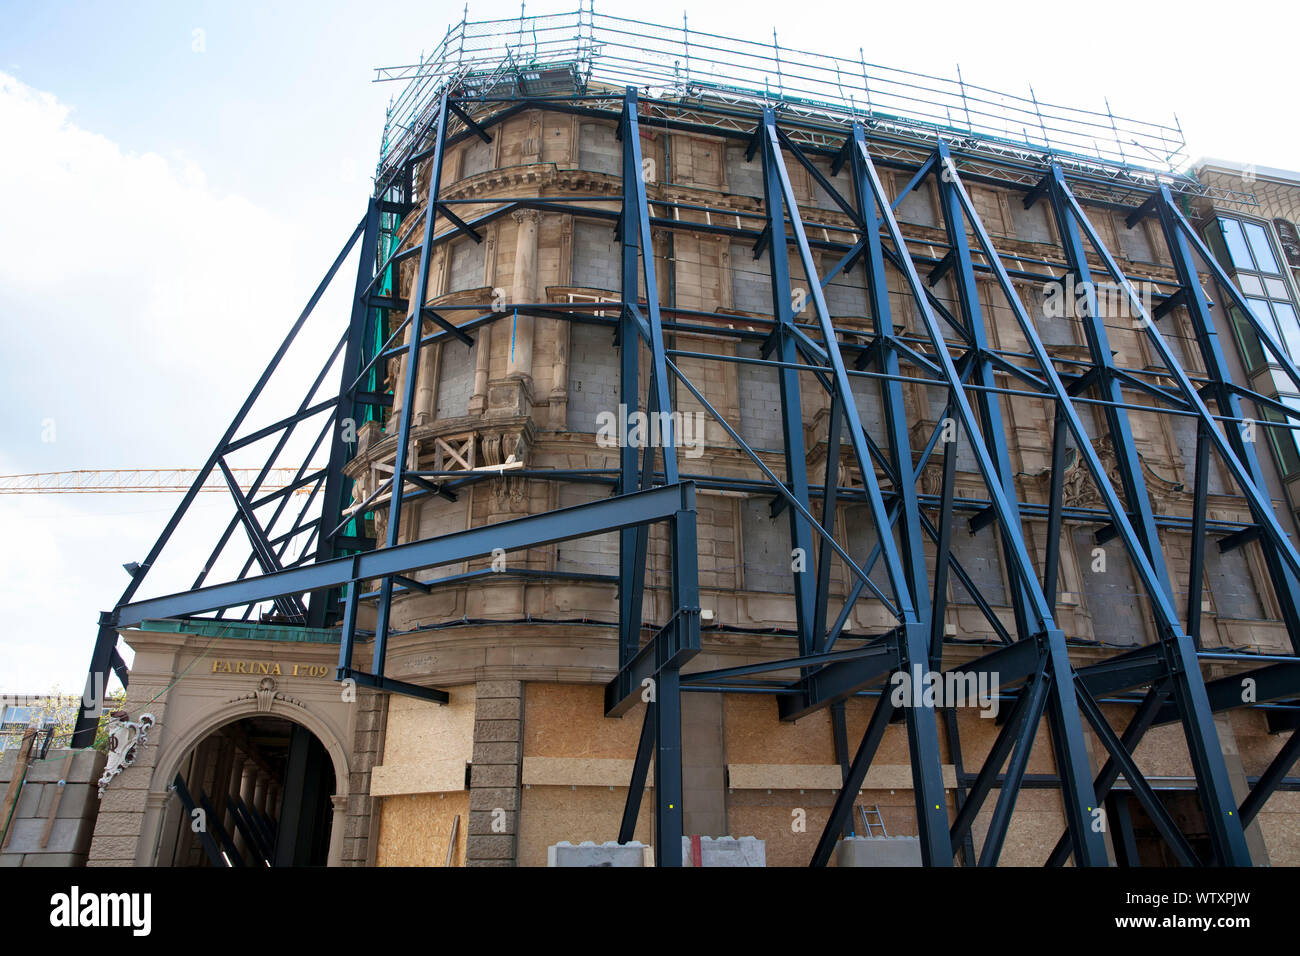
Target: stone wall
(55,815)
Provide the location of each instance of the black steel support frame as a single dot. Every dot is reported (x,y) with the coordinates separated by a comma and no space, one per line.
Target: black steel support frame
(1036,657)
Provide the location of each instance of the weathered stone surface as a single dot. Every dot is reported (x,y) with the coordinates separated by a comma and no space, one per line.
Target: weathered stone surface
(491,846)
(487,798)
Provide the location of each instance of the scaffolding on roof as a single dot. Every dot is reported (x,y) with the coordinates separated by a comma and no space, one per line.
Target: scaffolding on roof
(585,53)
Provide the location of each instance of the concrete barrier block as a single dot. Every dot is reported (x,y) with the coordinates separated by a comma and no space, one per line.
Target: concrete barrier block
(596,854)
(879,851)
(726,851)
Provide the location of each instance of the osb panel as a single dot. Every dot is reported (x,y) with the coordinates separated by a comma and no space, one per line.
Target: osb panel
(549,815)
(893,747)
(1279,823)
(770,816)
(436,776)
(1255,744)
(1162,751)
(577,771)
(568,720)
(766,776)
(1035,826)
(420,731)
(414,830)
(976,735)
(754,734)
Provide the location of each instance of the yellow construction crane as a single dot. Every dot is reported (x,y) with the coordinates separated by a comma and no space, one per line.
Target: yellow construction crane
(138,480)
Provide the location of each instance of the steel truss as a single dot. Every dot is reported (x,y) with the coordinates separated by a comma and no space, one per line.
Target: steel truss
(953,355)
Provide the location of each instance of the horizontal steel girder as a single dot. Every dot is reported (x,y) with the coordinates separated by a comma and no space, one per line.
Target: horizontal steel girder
(580,521)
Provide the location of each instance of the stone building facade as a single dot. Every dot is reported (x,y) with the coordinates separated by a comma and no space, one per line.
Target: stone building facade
(525,656)
(522,756)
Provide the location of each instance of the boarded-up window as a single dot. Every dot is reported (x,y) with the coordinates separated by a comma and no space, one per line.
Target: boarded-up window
(988,208)
(842,184)
(760,402)
(438,517)
(697,161)
(918,205)
(1109,591)
(597,554)
(1135,243)
(596,256)
(938,400)
(1231,583)
(861,533)
(466,271)
(866,396)
(455,378)
(745,178)
(1031,225)
(766,544)
(846,294)
(599,150)
(593,375)
(981,559)
(751,284)
(1053,315)
(477,158)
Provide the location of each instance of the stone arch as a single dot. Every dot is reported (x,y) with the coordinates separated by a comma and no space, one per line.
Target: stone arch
(173,752)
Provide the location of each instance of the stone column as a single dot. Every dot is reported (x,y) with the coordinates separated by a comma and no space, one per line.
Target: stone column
(426,383)
(247,783)
(494,774)
(259,791)
(361,823)
(231,785)
(399,378)
(338,822)
(482,369)
(559,397)
(524,290)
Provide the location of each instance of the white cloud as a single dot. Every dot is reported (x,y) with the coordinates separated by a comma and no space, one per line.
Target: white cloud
(137,307)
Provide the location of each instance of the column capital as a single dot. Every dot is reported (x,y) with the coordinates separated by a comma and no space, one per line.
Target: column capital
(525,215)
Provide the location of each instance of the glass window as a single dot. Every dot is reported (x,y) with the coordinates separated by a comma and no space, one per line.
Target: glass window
(1237,247)
(1276,288)
(1247,340)
(1259,245)
(1261,310)
(1286,320)
(1284,443)
(1251,285)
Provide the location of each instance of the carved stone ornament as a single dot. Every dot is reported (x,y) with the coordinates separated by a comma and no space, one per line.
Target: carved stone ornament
(265,694)
(126,738)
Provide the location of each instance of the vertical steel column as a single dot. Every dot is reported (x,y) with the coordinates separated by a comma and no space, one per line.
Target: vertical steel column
(911,538)
(666,710)
(783,342)
(914,643)
(323,605)
(1188,685)
(1067,727)
(1285,584)
(1104,380)
(1181,656)
(415,333)
(987,401)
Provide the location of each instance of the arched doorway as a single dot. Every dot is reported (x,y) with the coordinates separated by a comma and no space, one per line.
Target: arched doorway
(255,791)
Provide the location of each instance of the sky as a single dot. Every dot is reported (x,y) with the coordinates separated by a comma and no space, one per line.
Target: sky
(176,177)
